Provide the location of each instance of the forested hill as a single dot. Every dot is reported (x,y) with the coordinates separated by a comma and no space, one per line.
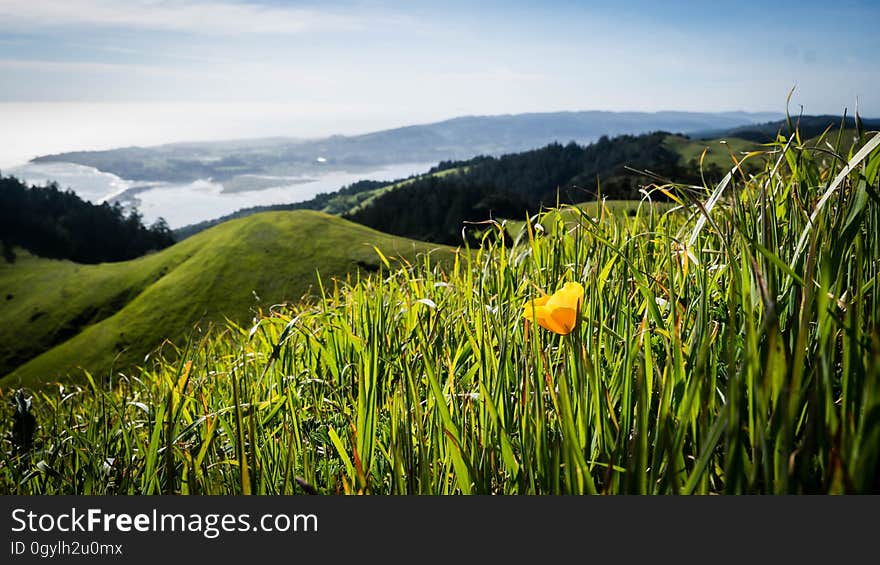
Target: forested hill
(54,223)
(434,208)
(807,126)
(434,205)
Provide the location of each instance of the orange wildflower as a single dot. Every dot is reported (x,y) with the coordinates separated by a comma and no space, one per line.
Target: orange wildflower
(557,312)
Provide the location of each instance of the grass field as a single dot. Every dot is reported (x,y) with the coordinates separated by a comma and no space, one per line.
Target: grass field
(572,216)
(729,346)
(718,151)
(59,316)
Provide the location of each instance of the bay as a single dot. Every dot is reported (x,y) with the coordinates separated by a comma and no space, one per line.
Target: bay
(181,204)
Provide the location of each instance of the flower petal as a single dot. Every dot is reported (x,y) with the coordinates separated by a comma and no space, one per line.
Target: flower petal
(537,315)
(564,320)
(558,312)
(571,295)
(533,306)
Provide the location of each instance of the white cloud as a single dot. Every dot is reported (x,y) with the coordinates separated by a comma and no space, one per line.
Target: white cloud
(214,17)
(45,66)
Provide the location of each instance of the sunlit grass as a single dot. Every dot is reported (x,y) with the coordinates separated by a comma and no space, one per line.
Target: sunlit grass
(728,345)
(58,316)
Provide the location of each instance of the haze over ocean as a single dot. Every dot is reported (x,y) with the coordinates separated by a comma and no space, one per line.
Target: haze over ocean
(43,128)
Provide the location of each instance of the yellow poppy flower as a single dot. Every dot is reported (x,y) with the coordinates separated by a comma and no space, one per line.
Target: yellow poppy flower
(558,312)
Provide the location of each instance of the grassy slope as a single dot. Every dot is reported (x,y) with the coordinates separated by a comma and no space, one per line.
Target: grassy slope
(839,141)
(47,305)
(617,208)
(228,270)
(718,150)
(49,301)
(739,355)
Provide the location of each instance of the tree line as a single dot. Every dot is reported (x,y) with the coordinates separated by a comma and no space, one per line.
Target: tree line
(55,223)
(511,186)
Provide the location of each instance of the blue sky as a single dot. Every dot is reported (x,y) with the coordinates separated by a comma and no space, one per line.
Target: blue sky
(380,63)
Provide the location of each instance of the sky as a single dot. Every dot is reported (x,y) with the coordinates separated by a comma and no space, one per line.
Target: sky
(147,71)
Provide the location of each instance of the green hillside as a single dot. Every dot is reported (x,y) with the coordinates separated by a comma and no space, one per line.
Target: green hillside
(718,151)
(733,347)
(807,126)
(59,316)
(434,208)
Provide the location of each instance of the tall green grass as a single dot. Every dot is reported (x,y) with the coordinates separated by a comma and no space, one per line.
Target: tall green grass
(729,345)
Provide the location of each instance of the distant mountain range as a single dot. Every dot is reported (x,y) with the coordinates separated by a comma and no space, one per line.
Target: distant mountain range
(458,138)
